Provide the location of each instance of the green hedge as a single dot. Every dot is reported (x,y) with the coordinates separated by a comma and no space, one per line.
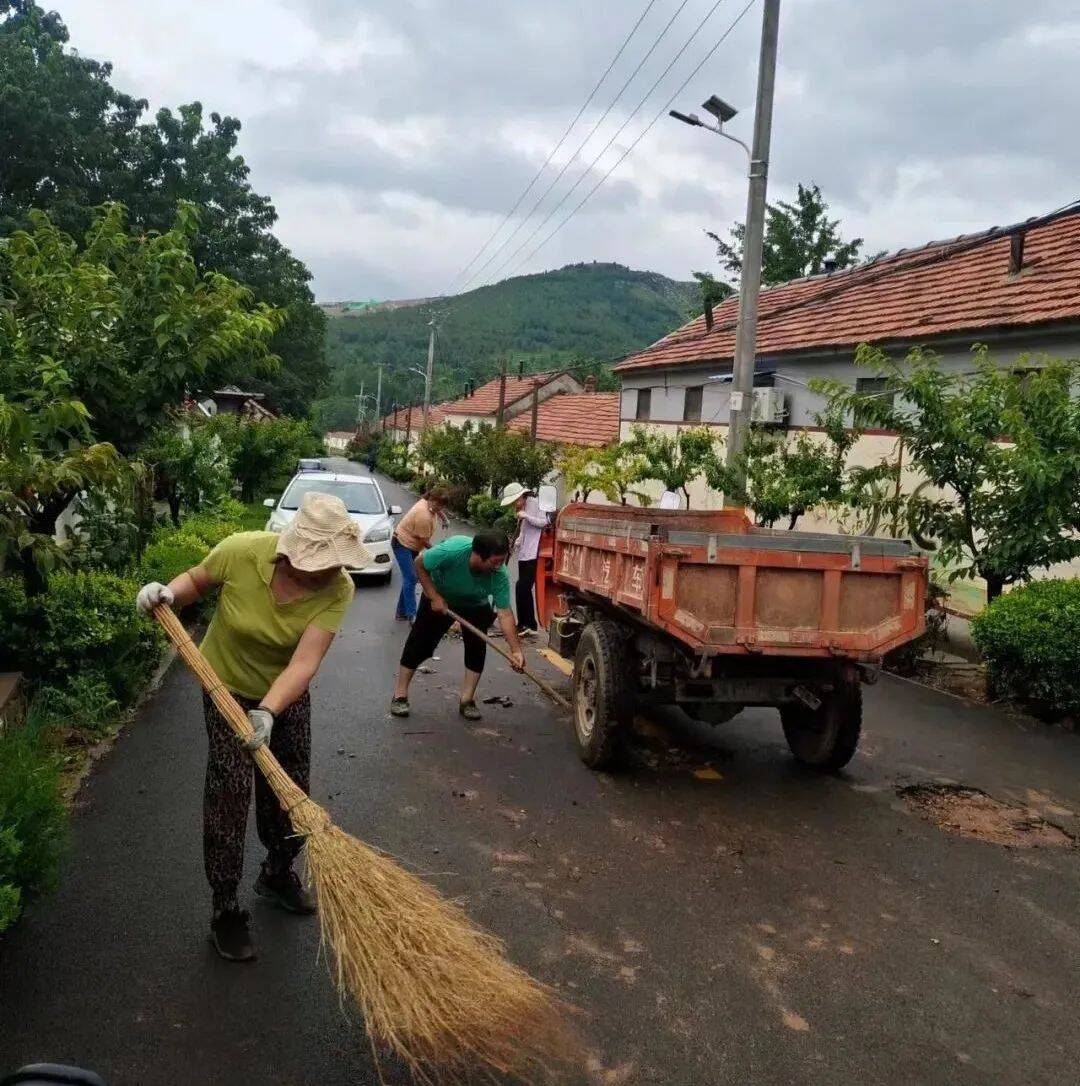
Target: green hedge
(33,819)
(1030,639)
(487,512)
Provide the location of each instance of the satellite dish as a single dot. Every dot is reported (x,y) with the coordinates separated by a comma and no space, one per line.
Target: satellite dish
(547,497)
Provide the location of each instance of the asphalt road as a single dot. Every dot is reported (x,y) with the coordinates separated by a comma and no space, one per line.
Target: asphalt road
(719,915)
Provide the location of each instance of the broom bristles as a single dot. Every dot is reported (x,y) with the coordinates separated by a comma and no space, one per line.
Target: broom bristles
(432,987)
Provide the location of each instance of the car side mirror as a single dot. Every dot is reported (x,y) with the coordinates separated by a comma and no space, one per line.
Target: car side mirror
(270,502)
(395,510)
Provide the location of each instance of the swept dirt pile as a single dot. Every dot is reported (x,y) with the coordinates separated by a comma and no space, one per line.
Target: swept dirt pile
(972,813)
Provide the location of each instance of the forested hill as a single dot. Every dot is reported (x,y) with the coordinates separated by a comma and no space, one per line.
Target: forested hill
(580,313)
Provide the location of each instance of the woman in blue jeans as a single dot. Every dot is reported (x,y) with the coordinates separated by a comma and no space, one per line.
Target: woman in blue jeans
(412,535)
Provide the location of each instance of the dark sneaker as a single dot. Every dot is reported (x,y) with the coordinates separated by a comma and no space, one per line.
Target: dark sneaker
(286,891)
(231,936)
(469,710)
(399,707)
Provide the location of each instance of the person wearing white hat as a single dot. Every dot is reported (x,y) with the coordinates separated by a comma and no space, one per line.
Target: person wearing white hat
(531,522)
(282,600)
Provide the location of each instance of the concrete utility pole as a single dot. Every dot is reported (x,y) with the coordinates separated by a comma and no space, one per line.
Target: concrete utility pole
(378,395)
(535,409)
(360,408)
(430,369)
(746,331)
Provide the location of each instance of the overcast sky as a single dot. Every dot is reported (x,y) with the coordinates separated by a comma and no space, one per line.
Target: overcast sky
(394,135)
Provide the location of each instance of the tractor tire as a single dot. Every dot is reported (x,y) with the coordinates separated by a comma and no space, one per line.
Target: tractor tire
(603,699)
(826,738)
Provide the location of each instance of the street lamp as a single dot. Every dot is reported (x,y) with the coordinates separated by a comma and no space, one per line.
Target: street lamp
(750,283)
(721,111)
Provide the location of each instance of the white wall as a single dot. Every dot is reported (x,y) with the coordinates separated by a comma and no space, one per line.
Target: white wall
(793,372)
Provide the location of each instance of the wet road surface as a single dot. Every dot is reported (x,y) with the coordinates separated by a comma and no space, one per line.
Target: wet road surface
(719,915)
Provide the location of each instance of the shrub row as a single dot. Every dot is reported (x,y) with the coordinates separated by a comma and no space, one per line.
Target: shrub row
(1030,639)
(87,654)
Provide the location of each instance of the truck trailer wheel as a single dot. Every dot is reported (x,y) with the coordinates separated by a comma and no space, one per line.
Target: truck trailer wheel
(602,699)
(826,738)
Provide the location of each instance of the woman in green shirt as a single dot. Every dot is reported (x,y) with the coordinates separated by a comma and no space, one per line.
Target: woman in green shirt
(282,599)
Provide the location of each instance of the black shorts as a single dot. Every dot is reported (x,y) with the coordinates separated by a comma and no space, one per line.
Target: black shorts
(428,630)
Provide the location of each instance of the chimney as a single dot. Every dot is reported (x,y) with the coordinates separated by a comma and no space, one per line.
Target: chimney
(1016,252)
(708,315)
(829,265)
(590,383)
(521,369)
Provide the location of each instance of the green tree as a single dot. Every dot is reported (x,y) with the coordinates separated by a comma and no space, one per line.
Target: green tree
(64,129)
(132,314)
(782,479)
(612,470)
(675,460)
(999,450)
(190,463)
(69,141)
(179,158)
(47,455)
(799,237)
(263,454)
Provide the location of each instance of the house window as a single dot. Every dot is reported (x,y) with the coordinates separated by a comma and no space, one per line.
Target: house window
(692,404)
(644,404)
(872,388)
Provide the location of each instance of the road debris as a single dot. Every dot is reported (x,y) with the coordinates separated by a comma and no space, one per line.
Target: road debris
(499,699)
(970,812)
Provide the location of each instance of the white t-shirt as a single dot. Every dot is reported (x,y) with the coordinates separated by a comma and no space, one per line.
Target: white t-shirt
(532,523)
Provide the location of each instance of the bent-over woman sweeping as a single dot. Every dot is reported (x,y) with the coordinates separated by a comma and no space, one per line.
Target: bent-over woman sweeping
(282,600)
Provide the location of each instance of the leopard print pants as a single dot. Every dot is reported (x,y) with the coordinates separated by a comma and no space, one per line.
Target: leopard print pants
(227,796)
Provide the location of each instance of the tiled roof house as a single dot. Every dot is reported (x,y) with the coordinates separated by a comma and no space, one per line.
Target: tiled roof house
(573,418)
(1016,289)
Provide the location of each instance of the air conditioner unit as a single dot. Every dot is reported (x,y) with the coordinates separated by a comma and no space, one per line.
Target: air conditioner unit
(769,407)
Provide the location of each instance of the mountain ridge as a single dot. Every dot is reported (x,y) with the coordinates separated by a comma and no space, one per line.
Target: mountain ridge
(587,315)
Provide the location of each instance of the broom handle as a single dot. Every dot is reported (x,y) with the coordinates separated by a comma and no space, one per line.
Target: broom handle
(546,687)
(289,794)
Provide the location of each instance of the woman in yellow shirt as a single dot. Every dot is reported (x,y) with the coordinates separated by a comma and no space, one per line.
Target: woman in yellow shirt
(282,600)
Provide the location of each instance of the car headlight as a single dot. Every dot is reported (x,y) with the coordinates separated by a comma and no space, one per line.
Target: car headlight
(379,534)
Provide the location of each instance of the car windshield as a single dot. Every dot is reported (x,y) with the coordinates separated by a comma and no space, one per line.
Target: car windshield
(358,496)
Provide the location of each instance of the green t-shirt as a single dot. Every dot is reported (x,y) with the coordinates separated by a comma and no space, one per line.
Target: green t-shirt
(252,637)
(448,564)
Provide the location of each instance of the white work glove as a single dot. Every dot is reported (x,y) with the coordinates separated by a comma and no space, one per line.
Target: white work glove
(262,724)
(153,594)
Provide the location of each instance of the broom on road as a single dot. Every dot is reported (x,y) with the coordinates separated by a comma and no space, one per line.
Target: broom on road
(432,987)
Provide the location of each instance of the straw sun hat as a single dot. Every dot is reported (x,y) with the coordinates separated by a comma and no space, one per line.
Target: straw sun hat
(511,493)
(322,535)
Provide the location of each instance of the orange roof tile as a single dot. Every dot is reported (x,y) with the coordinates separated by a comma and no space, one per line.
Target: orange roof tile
(954,286)
(399,420)
(573,418)
(485,399)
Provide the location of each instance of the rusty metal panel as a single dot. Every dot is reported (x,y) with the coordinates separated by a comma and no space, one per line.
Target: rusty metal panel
(788,598)
(867,601)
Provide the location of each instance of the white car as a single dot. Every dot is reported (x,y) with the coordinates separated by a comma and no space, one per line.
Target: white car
(366,505)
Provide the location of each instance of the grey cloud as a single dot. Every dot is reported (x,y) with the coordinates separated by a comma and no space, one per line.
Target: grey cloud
(950,115)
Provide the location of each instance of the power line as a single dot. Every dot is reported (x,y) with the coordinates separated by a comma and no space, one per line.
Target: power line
(573,158)
(581,177)
(663,110)
(555,150)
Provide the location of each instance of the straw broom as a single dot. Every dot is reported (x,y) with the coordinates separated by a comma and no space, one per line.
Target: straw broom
(432,987)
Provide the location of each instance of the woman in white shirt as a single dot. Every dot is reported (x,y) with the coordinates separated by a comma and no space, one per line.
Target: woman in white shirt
(531,522)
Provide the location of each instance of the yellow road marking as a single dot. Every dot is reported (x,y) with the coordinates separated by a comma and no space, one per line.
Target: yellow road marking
(553,658)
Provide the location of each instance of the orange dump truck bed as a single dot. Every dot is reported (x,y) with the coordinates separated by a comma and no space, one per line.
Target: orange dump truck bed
(721,586)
